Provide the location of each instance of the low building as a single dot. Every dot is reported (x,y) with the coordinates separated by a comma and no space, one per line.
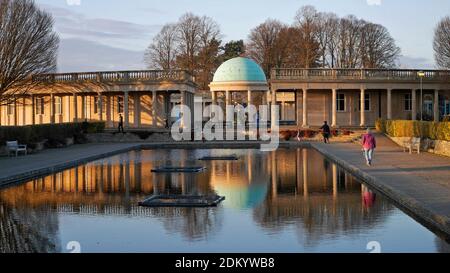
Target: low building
(306,97)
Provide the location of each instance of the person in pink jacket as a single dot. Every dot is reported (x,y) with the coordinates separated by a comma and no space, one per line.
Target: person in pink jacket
(369,144)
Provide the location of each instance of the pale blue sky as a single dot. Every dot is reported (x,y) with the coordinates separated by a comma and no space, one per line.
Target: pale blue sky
(112,34)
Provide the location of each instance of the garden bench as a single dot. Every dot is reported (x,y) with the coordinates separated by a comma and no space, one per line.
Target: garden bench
(411,144)
(13,146)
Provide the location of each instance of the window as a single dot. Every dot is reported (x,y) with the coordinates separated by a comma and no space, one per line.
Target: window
(58,105)
(39,106)
(408,102)
(366,102)
(340,102)
(119,104)
(447,107)
(10,108)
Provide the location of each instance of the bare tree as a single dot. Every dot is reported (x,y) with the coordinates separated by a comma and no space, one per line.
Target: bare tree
(162,52)
(189,29)
(441,43)
(263,43)
(306,20)
(377,48)
(207,57)
(28,46)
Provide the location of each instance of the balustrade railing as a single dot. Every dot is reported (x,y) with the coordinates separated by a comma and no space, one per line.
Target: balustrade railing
(116,76)
(359,74)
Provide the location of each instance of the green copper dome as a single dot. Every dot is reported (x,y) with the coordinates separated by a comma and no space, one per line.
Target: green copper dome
(239,69)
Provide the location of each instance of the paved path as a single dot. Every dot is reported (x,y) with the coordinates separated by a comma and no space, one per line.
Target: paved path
(14,169)
(419,183)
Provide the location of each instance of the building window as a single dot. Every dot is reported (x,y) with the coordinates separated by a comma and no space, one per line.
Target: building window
(447,108)
(58,105)
(366,102)
(340,102)
(10,109)
(408,102)
(119,104)
(39,106)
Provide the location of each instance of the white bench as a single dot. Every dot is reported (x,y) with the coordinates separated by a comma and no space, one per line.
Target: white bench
(13,146)
(411,144)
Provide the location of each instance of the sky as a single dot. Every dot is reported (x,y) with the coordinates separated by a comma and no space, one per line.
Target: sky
(99,35)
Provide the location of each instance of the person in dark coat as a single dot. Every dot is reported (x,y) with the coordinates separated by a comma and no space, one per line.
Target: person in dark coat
(326,132)
(120,128)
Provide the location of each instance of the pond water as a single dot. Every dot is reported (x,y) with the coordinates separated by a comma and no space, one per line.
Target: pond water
(285,201)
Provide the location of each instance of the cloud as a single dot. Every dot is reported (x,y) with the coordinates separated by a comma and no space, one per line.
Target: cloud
(122,34)
(408,62)
(374,2)
(78,55)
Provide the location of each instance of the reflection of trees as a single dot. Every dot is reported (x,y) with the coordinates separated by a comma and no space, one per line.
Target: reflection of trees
(25,230)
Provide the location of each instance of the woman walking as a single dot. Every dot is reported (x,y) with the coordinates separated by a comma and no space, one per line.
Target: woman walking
(368,144)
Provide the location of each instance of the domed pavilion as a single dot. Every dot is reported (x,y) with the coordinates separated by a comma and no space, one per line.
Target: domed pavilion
(240,81)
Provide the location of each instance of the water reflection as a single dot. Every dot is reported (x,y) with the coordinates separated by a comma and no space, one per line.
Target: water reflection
(281,191)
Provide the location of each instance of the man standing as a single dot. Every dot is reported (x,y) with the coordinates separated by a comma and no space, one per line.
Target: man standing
(369,144)
(121,124)
(326,132)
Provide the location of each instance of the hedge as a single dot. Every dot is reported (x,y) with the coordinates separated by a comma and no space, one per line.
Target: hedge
(52,132)
(414,128)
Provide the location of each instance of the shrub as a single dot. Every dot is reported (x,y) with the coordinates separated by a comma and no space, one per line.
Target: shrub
(414,128)
(55,134)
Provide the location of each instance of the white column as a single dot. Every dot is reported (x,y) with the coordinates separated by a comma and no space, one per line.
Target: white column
(33,113)
(413,105)
(137,110)
(52,108)
(362,112)
(182,102)
(126,110)
(75,107)
(334,108)
(305,108)
(108,111)
(100,107)
(273,112)
(436,105)
(154,107)
(389,104)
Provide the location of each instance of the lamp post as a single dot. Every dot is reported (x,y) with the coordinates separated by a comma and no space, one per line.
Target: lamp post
(421,75)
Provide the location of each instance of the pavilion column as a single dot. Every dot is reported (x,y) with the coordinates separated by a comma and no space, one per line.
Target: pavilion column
(126,110)
(75,107)
(52,108)
(182,102)
(108,111)
(363,107)
(334,108)
(33,113)
(137,110)
(389,104)
(273,110)
(100,106)
(436,105)
(413,105)
(305,108)
(249,97)
(213,97)
(154,107)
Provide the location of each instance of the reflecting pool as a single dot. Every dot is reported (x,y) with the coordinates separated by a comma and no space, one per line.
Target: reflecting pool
(291,200)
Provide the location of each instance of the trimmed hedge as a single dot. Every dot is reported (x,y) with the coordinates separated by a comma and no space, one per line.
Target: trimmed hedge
(54,133)
(414,128)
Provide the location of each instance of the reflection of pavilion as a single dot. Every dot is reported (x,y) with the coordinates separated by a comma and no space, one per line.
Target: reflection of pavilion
(315,195)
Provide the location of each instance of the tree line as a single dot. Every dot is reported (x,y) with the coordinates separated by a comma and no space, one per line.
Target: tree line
(29,45)
(314,39)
